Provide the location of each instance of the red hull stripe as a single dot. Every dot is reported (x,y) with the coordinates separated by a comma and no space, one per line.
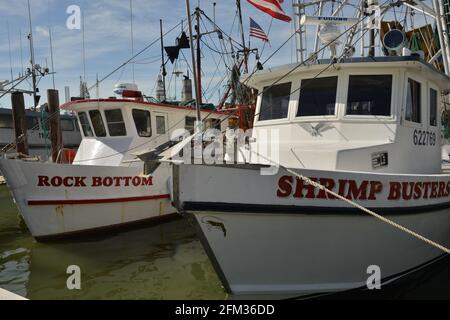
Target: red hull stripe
(95,201)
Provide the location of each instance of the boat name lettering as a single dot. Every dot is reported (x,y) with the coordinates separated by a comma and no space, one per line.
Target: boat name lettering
(289,186)
(57,181)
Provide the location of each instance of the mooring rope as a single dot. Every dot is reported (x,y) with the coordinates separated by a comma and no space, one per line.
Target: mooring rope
(356,205)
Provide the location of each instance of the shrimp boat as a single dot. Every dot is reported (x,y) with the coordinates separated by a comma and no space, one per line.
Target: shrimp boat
(367,128)
(105,186)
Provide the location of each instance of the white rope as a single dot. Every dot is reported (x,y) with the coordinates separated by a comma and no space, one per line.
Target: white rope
(356,205)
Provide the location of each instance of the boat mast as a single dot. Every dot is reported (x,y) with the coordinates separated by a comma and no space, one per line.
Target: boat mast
(194,70)
(33,71)
(199,56)
(163,65)
(238,4)
(132,37)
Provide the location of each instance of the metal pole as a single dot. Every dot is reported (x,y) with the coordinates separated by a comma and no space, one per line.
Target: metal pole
(163,65)
(33,71)
(238,4)
(199,55)
(197,98)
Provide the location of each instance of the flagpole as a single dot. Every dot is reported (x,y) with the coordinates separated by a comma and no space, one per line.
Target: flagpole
(238,4)
(194,69)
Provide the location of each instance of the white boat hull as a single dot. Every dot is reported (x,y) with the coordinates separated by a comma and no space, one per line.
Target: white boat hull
(62,200)
(260,243)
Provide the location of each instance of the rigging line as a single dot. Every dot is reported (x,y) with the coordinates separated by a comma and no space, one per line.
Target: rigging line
(137,54)
(354,204)
(14,86)
(221,30)
(84,45)
(10,56)
(304,62)
(268,33)
(190,69)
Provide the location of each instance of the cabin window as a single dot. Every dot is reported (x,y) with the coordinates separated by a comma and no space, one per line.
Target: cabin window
(67,125)
(32,123)
(143,122)
(433,107)
(189,124)
(97,123)
(160,125)
(6,121)
(317,97)
(413,101)
(369,95)
(116,125)
(275,102)
(87,130)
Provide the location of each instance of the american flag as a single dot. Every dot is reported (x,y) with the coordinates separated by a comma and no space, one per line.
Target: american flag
(257,32)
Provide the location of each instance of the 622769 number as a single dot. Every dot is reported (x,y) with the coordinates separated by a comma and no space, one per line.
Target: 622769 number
(424,138)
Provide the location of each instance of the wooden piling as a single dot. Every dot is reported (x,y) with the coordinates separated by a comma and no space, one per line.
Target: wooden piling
(20,123)
(54,122)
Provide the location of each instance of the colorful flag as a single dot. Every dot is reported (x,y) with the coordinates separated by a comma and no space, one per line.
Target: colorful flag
(257,32)
(271,7)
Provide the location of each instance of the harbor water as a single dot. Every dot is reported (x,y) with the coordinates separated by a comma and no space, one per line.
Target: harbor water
(153,262)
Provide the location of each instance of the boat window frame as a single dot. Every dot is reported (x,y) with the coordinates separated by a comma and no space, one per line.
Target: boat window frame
(391,102)
(123,113)
(369,118)
(81,125)
(260,100)
(317,117)
(292,100)
(423,102)
(134,122)
(103,122)
(438,125)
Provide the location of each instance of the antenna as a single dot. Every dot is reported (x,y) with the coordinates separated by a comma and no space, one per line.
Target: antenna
(84,47)
(21,51)
(51,45)
(10,57)
(51,56)
(132,37)
(33,71)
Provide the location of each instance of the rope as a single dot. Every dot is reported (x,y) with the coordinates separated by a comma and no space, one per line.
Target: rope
(356,205)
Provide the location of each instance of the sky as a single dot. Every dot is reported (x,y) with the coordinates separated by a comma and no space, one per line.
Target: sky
(107,32)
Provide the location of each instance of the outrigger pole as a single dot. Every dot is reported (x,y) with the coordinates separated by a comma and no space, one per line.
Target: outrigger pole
(198,126)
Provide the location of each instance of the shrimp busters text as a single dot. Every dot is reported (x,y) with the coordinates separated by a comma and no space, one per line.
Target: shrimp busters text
(289,186)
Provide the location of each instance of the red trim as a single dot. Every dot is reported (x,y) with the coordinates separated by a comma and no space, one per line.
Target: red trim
(276,15)
(67,104)
(95,201)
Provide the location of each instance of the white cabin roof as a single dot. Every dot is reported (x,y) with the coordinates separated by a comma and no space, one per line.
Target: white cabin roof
(277,74)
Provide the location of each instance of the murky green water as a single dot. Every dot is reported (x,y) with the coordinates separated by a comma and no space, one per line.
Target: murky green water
(159,262)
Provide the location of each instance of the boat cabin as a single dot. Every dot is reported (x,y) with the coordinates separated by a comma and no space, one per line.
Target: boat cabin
(113,130)
(377,114)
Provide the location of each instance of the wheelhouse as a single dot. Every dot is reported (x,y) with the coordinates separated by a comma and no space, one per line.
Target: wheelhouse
(113,129)
(328,114)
